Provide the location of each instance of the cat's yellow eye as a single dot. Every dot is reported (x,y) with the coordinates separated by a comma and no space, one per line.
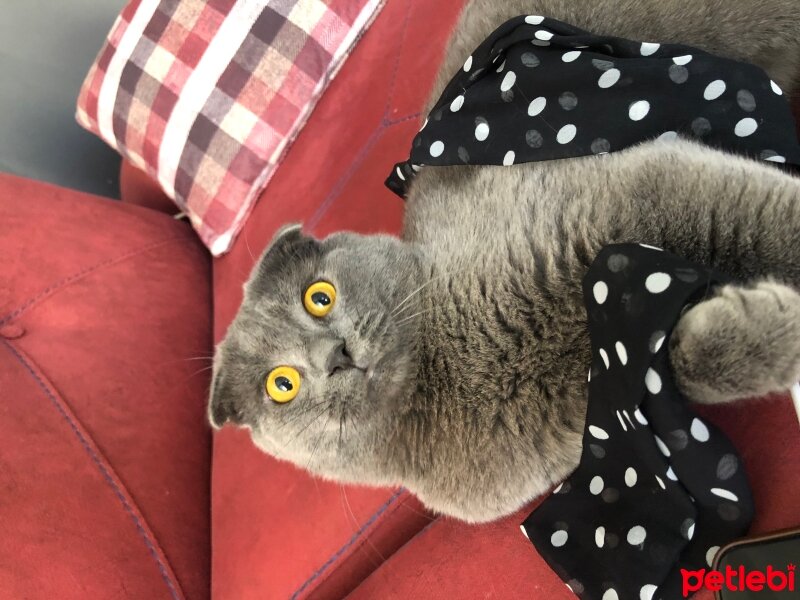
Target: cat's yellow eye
(319,298)
(283,384)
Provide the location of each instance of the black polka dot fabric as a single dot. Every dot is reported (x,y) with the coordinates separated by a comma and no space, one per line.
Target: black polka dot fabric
(657,489)
(540,89)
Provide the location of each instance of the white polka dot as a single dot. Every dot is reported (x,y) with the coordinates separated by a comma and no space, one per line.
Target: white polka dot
(598,432)
(668,136)
(543,35)
(657,282)
(589,376)
(631,477)
(508,81)
(621,421)
(457,103)
(400,174)
(652,381)
(722,493)
(608,78)
(661,482)
(570,56)
(658,343)
(776,88)
(699,430)
(622,353)
(638,110)
(468,63)
(649,48)
(647,592)
(416,167)
(745,127)
(522,529)
(682,60)
(690,531)
(482,131)
(534,19)
(596,485)
(610,594)
(640,417)
(508,159)
(437,148)
(558,487)
(714,90)
(627,416)
(652,247)
(600,291)
(636,535)
(712,552)
(604,356)
(566,134)
(559,538)
(536,106)
(600,536)
(777,158)
(671,474)
(423,125)
(500,70)
(661,446)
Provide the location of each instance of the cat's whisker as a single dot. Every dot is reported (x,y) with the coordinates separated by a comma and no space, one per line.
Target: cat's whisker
(319,439)
(414,293)
(403,320)
(204,369)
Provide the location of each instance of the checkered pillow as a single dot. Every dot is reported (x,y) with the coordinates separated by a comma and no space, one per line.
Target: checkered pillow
(206,95)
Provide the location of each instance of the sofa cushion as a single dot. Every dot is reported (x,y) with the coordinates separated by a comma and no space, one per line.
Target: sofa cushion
(104,447)
(276,531)
(207,96)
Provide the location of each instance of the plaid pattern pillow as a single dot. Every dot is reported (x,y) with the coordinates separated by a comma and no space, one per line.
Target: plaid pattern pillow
(206,95)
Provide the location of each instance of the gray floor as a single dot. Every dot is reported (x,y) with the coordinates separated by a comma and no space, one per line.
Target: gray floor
(46,49)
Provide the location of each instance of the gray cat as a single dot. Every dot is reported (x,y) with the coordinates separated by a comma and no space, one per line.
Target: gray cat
(453,360)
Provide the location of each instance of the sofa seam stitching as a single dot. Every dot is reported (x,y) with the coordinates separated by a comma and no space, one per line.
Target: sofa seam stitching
(64,282)
(151,545)
(395,508)
(384,124)
(349,543)
(396,67)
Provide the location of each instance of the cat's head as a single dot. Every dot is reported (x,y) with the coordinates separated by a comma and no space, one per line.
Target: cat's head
(321,346)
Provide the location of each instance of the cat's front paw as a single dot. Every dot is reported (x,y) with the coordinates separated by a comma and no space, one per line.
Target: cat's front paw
(743,342)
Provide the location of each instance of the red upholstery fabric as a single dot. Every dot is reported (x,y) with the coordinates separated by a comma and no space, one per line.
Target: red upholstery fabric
(276,531)
(136,187)
(104,448)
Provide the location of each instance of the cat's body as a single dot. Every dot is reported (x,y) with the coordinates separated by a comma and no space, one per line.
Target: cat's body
(482,403)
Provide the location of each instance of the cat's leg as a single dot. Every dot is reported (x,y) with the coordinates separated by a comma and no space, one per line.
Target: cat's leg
(744,342)
(743,218)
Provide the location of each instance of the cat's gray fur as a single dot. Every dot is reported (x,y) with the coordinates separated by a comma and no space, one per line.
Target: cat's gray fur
(469,336)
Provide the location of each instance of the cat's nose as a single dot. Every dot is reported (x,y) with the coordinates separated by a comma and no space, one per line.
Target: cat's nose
(339,359)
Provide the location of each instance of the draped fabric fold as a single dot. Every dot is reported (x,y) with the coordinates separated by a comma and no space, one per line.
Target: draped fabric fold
(657,488)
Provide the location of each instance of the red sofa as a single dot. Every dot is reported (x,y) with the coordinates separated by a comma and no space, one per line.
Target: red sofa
(109,487)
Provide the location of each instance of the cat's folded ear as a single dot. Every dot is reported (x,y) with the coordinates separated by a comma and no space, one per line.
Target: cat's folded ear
(221,405)
(288,246)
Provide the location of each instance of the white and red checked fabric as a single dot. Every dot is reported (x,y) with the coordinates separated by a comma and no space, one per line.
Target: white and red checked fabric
(206,96)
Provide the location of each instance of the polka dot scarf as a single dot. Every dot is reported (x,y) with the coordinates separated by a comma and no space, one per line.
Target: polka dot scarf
(657,488)
(540,89)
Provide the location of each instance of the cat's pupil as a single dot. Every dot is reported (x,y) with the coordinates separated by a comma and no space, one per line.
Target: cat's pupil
(320,298)
(283,384)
